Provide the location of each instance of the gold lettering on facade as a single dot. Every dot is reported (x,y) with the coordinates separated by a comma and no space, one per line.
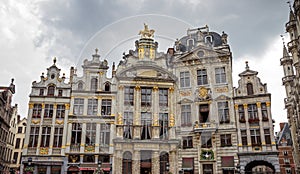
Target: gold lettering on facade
(221,90)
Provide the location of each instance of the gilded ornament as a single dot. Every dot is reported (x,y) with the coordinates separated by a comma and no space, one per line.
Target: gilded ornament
(31,105)
(268,104)
(67,106)
(245,106)
(35,121)
(172,120)
(137,88)
(155,88)
(258,104)
(203,92)
(146,33)
(171,89)
(120,119)
(44,150)
(236,106)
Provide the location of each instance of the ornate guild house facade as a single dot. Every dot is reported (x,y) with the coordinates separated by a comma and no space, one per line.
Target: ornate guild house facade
(158,113)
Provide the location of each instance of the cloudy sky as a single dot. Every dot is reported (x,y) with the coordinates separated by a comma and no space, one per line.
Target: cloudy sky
(32,32)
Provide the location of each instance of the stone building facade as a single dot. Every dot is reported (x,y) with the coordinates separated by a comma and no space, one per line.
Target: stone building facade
(46,131)
(252,102)
(8,119)
(158,112)
(285,149)
(291,69)
(18,144)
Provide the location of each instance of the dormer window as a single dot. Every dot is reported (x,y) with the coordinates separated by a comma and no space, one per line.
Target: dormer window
(249,89)
(52,76)
(208,39)
(60,93)
(94,84)
(51,90)
(107,87)
(41,92)
(190,43)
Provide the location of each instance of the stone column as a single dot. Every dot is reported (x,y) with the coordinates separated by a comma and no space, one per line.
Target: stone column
(155,113)
(172,118)
(137,113)
(249,145)
(83,134)
(173,162)
(136,162)
(155,162)
(97,142)
(68,132)
(117,165)
(236,107)
(26,141)
(261,128)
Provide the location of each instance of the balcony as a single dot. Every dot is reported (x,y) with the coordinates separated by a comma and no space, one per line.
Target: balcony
(290,25)
(208,126)
(75,148)
(292,44)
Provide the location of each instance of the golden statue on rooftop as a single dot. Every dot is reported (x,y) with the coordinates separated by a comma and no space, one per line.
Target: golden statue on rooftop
(146,33)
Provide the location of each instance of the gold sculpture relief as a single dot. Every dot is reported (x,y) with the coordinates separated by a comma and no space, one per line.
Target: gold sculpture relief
(203,92)
(120,119)
(171,89)
(59,121)
(35,121)
(258,104)
(155,88)
(137,88)
(236,106)
(101,73)
(73,158)
(43,105)
(44,150)
(67,106)
(155,120)
(31,105)
(245,106)
(146,33)
(55,106)
(268,104)
(172,120)
(121,87)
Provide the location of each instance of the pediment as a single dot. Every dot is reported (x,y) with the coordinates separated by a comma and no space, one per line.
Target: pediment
(248,73)
(222,97)
(185,101)
(146,72)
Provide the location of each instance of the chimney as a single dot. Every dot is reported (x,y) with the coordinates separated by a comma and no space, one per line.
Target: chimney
(281,126)
(18,117)
(72,72)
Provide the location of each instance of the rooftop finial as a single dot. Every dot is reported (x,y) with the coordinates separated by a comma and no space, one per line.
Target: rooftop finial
(289,2)
(96,50)
(247,66)
(54,60)
(146,33)
(282,39)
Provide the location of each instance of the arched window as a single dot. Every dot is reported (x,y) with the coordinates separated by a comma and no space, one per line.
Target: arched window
(51,90)
(80,86)
(94,84)
(107,87)
(249,89)
(127,163)
(164,162)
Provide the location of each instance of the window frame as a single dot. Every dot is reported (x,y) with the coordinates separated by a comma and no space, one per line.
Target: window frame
(202,77)
(185,79)
(220,75)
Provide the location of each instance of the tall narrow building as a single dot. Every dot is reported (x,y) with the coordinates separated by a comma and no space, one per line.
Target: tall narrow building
(291,69)
(257,146)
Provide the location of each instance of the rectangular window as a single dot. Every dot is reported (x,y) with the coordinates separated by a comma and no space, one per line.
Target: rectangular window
(220,75)
(76,133)
(41,92)
(104,135)
(20,130)
(15,158)
(187,142)
(186,115)
(34,135)
(37,110)
(264,112)
(45,140)
(128,125)
(128,96)
(78,106)
(90,137)
(244,137)
(206,140)
(252,112)
(106,107)
(286,160)
(58,135)
(207,168)
(241,110)
(202,77)
(255,137)
(146,97)
(17,145)
(92,107)
(60,93)
(226,140)
(203,113)
(60,111)
(163,124)
(188,164)
(223,111)
(184,79)
(267,136)
(146,122)
(48,111)
(163,97)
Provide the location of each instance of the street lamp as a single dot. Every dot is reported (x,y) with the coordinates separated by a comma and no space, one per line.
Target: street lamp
(237,168)
(167,167)
(99,167)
